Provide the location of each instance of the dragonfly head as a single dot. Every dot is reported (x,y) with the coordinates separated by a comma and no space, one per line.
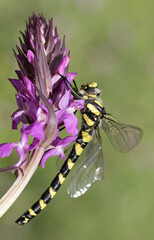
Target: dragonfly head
(90,91)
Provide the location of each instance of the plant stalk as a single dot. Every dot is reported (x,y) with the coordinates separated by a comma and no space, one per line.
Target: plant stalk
(22,180)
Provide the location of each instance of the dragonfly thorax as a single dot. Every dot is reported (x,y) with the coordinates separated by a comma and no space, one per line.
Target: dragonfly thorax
(90,91)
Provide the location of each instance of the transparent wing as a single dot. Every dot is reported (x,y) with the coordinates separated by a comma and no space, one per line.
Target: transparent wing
(91,170)
(123,137)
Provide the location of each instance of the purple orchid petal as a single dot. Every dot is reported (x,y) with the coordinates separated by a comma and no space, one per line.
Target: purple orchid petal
(30,57)
(19,74)
(55,79)
(34,132)
(58,149)
(17,83)
(52,152)
(63,64)
(29,87)
(16,118)
(24,137)
(34,144)
(59,115)
(63,103)
(6,149)
(70,76)
(66,141)
(71,124)
(78,104)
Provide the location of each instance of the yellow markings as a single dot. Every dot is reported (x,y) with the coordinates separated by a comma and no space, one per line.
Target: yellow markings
(97,102)
(93,84)
(85,97)
(78,149)
(61,178)
(85,136)
(52,192)
(42,204)
(26,220)
(93,109)
(88,120)
(88,130)
(70,164)
(90,95)
(31,211)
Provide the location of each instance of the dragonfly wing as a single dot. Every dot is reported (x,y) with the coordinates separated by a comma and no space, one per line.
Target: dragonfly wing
(123,137)
(91,170)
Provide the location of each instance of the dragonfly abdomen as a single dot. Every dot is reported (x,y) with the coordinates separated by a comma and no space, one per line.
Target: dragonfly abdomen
(80,143)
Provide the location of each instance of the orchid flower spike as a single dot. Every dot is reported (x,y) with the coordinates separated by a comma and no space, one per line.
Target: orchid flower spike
(45,104)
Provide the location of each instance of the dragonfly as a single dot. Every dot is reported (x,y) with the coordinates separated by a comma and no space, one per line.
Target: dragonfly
(123,137)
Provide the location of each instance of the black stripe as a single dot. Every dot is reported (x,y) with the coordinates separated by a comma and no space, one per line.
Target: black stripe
(55,183)
(28,215)
(85,127)
(46,196)
(81,142)
(65,170)
(36,208)
(73,156)
(93,117)
(98,107)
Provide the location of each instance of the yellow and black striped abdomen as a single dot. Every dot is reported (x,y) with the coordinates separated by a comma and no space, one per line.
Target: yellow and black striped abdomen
(82,140)
(91,117)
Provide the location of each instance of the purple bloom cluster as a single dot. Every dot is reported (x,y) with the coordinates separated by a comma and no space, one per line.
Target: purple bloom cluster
(44,102)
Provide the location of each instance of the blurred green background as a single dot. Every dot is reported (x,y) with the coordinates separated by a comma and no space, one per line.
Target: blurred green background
(112,42)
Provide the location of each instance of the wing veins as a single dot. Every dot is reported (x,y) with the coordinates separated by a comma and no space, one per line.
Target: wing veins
(91,169)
